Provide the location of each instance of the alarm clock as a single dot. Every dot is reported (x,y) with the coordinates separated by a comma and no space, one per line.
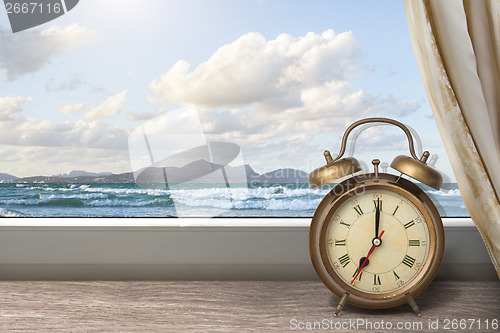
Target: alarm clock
(376,240)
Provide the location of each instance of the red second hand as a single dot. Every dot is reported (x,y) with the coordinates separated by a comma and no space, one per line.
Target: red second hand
(364,262)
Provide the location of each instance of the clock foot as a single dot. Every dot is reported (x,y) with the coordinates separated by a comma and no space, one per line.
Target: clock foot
(342,302)
(413,304)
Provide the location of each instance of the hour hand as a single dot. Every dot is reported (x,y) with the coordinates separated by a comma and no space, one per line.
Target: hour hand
(376,242)
(361,261)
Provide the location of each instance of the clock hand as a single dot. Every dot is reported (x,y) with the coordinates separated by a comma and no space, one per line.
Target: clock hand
(377,218)
(375,244)
(362,260)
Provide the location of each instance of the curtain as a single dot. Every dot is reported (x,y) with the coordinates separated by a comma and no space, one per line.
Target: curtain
(457,47)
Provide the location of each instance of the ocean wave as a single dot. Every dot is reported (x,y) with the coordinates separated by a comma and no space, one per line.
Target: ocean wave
(43,188)
(152,192)
(127,203)
(72,187)
(61,202)
(272,204)
(275,192)
(23,202)
(77,202)
(9,213)
(241,193)
(84,196)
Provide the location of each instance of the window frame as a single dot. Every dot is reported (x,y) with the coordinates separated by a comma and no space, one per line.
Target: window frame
(191,249)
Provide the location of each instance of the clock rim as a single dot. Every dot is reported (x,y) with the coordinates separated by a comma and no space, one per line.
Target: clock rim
(330,204)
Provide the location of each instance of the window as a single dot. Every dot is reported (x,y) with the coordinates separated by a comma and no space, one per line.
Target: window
(96,105)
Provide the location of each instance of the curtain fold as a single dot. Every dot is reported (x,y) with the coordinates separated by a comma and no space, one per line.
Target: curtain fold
(456,44)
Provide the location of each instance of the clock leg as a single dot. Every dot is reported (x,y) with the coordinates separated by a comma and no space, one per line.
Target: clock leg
(342,302)
(413,304)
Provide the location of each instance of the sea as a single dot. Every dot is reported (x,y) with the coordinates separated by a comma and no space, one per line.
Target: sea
(131,200)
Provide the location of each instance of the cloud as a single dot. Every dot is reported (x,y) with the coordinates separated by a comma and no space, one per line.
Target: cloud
(28,51)
(280,98)
(255,89)
(74,83)
(143,115)
(73,108)
(379,138)
(80,134)
(253,70)
(328,108)
(11,107)
(19,130)
(20,161)
(109,107)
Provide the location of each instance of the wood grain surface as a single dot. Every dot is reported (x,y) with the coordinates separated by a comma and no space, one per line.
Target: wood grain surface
(221,306)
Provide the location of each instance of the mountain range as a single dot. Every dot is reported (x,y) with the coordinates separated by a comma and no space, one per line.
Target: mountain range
(201,170)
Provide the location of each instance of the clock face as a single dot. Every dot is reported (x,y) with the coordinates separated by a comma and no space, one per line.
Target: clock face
(395,259)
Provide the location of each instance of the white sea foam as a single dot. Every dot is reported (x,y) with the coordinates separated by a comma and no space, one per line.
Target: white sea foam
(241,193)
(272,204)
(8,213)
(152,192)
(117,202)
(84,196)
(279,200)
(276,192)
(26,202)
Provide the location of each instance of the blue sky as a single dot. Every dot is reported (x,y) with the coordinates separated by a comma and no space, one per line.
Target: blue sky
(282,79)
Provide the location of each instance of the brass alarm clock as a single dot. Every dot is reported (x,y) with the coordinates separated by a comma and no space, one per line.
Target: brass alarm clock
(376,240)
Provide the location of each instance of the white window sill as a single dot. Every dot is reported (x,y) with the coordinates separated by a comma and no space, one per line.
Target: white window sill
(191,249)
(120,223)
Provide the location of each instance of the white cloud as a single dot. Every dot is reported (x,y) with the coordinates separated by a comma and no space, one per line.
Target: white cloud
(19,130)
(253,70)
(73,108)
(11,107)
(20,161)
(109,107)
(81,134)
(280,98)
(28,51)
(143,115)
(277,87)
(74,83)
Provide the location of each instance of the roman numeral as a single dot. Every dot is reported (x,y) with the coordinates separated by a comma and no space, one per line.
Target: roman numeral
(376,279)
(409,224)
(359,276)
(375,204)
(408,261)
(358,210)
(347,225)
(395,210)
(340,242)
(414,242)
(344,260)
(396,276)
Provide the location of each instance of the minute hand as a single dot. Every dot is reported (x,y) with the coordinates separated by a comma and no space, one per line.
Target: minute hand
(368,256)
(377,217)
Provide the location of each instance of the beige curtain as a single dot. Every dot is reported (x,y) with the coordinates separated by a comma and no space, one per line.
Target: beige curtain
(457,46)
